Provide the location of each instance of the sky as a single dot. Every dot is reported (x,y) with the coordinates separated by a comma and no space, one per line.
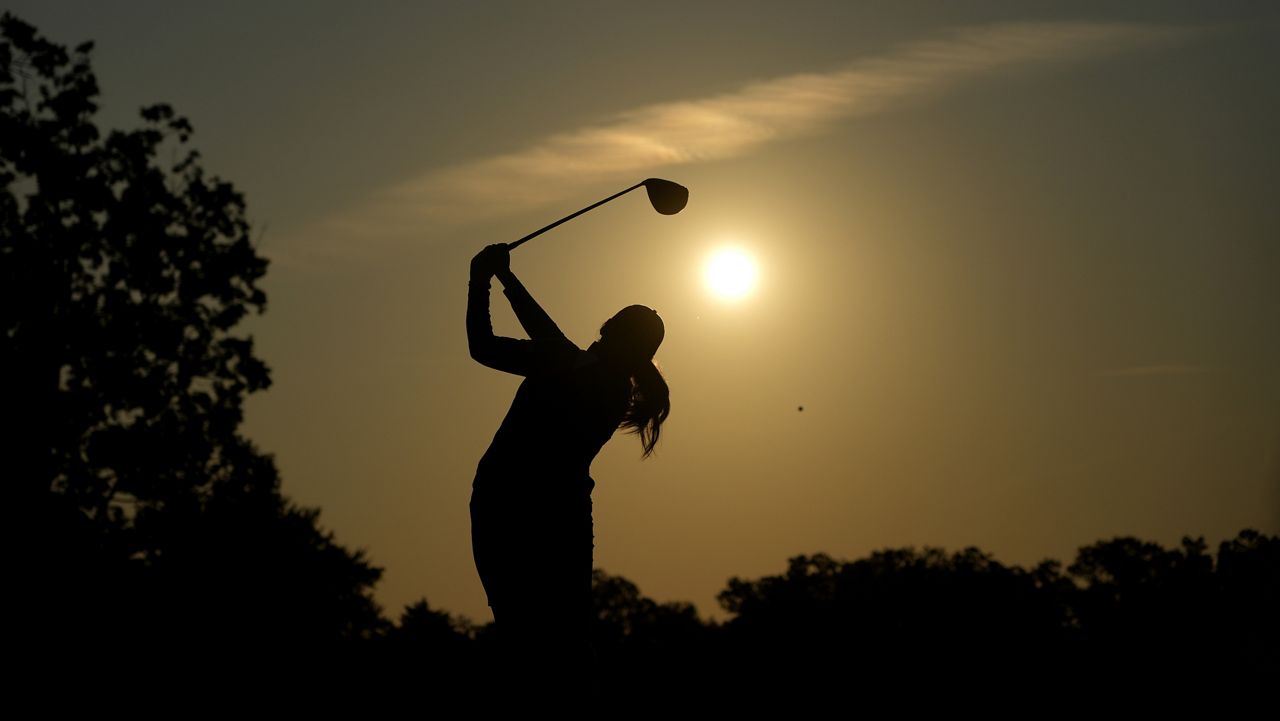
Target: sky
(1017,262)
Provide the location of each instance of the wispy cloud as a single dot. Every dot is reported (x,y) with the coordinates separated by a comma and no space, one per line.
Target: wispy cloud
(1170,369)
(640,141)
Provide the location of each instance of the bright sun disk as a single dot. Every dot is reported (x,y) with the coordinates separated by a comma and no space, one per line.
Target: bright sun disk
(731,274)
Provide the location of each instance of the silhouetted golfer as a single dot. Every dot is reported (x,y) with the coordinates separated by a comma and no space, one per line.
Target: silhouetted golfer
(531,526)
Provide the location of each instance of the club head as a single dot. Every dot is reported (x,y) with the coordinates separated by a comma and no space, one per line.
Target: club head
(667,197)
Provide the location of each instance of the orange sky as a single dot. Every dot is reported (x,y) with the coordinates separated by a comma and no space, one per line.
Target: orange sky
(1017,265)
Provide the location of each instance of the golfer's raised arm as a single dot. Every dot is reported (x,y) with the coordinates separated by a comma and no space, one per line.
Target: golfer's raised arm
(504,354)
(532,317)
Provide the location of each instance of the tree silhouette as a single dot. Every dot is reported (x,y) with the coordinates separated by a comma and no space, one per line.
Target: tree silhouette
(642,645)
(1248,584)
(1155,610)
(427,638)
(124,270)
(1124,615)
(923,611)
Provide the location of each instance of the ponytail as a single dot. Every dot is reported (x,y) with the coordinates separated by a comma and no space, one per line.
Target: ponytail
(650,405)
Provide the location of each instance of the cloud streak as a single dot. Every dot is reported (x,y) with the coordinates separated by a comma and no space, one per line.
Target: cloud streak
(637,142)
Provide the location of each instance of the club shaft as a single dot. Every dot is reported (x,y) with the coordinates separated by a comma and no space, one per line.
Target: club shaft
(540,231)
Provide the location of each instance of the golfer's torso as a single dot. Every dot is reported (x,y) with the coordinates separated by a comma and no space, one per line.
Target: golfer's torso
(556,425)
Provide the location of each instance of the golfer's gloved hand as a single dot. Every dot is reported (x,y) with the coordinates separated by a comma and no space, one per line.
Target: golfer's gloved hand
(494,259)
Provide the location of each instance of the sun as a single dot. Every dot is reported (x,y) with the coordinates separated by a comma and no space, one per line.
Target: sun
(731,274)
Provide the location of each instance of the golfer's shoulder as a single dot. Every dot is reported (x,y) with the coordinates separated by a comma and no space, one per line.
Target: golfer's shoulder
(606,379)
(556,353)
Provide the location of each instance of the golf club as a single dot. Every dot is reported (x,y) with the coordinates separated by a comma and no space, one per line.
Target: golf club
(667,198)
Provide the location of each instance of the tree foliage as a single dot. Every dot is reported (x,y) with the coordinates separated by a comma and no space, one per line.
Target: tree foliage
(1125,608)
(124,271)
(123,278)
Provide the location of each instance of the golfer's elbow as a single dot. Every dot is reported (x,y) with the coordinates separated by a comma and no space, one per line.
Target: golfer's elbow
(489,350)
(489,358)
(481,351)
